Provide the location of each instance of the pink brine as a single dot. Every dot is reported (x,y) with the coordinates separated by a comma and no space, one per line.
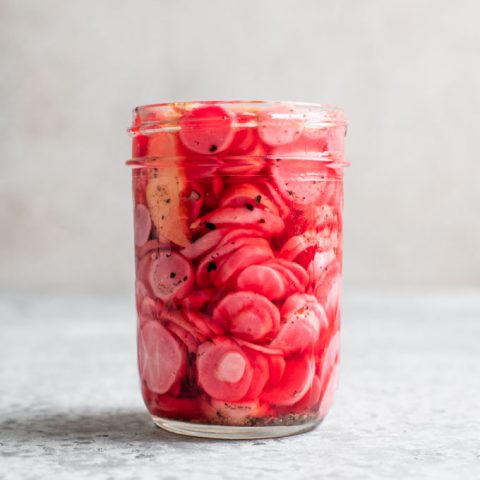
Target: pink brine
(238,243)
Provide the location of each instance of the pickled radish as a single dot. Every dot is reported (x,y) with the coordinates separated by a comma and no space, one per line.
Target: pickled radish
(224,371)
(207,129)
(303,319)
(296,380)
(244,195)
(238,250)
(162,361)
(263,280)
(279,125)
(143,224)
(276,367)
(311,399)
(171,276)
(198,298)
(260,374)
(247,315)
(184,336)
(257,250)
(242,216)
(204,244)
(170,406)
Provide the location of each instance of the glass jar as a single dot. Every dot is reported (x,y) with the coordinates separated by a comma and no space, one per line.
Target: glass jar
(238,249)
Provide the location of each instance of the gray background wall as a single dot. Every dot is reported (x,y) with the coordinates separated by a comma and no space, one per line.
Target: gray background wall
(407,73)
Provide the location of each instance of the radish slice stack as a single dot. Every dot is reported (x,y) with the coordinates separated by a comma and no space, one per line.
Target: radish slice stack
(238,264)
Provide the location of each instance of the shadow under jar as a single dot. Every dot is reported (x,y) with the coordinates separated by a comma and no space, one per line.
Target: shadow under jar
(238,249)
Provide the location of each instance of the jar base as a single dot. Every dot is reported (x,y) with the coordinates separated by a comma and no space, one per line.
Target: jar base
(225,432)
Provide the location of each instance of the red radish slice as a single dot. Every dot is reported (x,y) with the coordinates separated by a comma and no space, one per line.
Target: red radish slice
(204,244)
(263,280)
(176,316)
(162,361)
(303,318)
(242,165)
(260,374)
(248,315)
(171,276)
(311,399)
(255,251)
(149,310)
(329,391)
(152,245)
(142,224)
(245,194)
(174,407)
(197,299)
(319,264)
(323,285)
(233,235)
(296,380)
(193,197)
(141,292)
(279,125)
(276,367)
(242,216)
(233,413)
(224,371)
(143,271)
(208,267)
(186,338)
(205,324)
(259,348)
(207,129)
(296,245)
(294,273)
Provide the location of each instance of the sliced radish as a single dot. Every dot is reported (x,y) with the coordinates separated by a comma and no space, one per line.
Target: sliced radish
(177,317)
(149,310)
(294,274)
(162,361)
(169,214)
(296,245)
(233,235)
(260,374)
(279,125)
(204,244)
(205,324)
(186,338)
(259,348)
(263,280)
(207,129)
(224,371)
(233,413)
(276,367)
(248,315)
(295,382)
(245,194)
(319,264)
(217,186)
(142,224)
(242,216)
(174,407)
(311,399)
(171,276)
(255,251)
(151,245)
(303,319)
(197,299)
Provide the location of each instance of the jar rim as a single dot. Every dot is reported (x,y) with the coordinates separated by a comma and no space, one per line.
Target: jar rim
(164,116)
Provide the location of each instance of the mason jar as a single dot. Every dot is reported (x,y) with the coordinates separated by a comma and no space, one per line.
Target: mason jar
(238,255)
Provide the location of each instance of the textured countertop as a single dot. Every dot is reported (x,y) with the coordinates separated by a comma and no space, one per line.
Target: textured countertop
(408,404)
